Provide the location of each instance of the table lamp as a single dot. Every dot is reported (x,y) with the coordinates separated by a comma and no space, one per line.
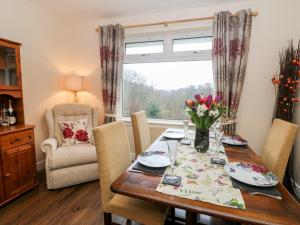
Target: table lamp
(74,83)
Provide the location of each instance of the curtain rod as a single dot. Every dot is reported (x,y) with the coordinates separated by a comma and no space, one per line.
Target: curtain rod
(165,23)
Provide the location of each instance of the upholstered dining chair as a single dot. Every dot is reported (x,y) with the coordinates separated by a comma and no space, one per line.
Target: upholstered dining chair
(141,132)
(113,153)
(278,146)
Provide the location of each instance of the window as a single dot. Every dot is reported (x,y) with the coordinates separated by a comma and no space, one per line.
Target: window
(161,72)
(148,47)
(192,44)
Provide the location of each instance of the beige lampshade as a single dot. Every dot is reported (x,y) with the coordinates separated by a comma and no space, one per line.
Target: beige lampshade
(74,83)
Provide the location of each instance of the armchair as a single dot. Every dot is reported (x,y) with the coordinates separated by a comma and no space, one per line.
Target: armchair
(74,164)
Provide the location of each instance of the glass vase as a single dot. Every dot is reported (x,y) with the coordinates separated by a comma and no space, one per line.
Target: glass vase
(201,143)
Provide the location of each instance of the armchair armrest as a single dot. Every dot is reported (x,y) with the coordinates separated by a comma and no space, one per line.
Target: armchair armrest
(49,145)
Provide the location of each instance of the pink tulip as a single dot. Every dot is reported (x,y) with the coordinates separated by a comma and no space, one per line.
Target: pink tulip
(217,98)
(198,98)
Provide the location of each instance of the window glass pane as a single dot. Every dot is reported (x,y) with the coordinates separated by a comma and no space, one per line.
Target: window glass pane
(192,44)
(161,88)
(144,47)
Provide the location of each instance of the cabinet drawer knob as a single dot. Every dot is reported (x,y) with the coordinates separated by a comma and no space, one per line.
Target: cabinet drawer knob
(7,174)
(16,140)
(29,136)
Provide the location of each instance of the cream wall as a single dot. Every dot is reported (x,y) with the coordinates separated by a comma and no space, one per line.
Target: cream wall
(47,53)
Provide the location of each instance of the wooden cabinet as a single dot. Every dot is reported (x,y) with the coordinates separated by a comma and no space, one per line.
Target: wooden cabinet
(17,151)
(10,69)
(17,161)
(2,194)
(18,169)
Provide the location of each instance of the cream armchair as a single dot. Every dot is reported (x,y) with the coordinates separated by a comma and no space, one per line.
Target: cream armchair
(69,165)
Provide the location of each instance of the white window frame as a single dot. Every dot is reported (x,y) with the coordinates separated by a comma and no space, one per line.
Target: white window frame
(167,56)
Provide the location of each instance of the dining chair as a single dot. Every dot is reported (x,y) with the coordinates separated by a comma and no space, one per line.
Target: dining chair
(113,153)
(141,132)
(278,146)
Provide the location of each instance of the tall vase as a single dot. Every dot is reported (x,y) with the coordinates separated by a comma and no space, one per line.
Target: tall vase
(201,143)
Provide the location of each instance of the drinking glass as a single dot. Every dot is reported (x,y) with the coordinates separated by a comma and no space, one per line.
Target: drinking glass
(219,136)
(219,133)
(185,140)
(172,149)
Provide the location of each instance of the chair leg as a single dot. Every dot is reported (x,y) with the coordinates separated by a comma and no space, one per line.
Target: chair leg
(191,218)
(173,215)
(107,218)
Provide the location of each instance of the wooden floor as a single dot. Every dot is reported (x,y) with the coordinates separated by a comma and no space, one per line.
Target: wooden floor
(77,205)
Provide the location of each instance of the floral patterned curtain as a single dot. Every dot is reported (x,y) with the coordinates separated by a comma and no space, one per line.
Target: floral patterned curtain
(111,39)
(231,36)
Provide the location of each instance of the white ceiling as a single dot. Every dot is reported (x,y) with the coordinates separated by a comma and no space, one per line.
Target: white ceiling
(86,9)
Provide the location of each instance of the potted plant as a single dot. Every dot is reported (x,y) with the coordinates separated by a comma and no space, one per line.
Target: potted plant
(204,111)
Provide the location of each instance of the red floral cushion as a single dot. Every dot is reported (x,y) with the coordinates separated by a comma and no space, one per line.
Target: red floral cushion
(75,132)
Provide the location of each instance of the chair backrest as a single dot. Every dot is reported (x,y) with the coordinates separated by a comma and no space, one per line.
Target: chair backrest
(141,132)
(113,153)
(278,146)
(69,112)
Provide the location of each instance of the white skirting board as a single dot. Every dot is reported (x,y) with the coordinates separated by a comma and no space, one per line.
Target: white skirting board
(40,165)
(132,156)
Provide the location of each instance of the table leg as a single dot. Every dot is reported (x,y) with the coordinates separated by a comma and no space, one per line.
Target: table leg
(191,218)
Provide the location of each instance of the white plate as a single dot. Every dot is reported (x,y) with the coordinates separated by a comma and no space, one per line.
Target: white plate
(233,141)
(252,174)
(154,160)
(173,134)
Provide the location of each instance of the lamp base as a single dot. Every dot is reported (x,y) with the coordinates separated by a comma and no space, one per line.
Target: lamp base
(75,99)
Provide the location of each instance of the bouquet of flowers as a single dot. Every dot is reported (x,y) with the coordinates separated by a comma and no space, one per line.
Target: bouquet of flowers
(204,111)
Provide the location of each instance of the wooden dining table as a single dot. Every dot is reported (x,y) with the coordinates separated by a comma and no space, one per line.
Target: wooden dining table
(259,209)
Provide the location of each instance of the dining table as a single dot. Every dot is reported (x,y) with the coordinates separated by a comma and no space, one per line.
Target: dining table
(259,209)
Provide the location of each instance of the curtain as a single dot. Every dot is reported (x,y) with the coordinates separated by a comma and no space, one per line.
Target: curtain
(231,36)
(111,40)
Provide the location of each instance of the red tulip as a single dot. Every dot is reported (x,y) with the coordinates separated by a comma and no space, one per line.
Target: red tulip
(208,101)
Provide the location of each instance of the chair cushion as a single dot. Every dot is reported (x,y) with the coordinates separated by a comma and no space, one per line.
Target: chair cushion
(75,132)
(141,211)
(69,112)
(67,156)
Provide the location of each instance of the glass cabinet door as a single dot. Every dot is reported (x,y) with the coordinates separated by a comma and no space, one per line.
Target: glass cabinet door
(8,67)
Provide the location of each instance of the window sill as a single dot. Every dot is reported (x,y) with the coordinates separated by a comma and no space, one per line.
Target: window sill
(157,122)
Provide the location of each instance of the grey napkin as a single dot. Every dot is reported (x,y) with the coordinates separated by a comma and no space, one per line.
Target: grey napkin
(243,147)
(150,170)
(253,190)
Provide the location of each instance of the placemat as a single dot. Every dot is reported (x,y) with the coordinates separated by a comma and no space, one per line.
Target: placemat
(253,190)
(148,170)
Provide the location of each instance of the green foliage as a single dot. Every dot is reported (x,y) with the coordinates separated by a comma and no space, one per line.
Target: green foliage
(162,104)
(153,110)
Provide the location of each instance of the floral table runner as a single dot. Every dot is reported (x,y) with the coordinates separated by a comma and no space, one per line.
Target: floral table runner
(201,180)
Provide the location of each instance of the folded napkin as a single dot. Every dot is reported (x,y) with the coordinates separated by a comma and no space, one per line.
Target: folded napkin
(245,147)
(253,190)
(137,167)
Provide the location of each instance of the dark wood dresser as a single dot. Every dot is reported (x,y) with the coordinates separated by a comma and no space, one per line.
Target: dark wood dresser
(17,149)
